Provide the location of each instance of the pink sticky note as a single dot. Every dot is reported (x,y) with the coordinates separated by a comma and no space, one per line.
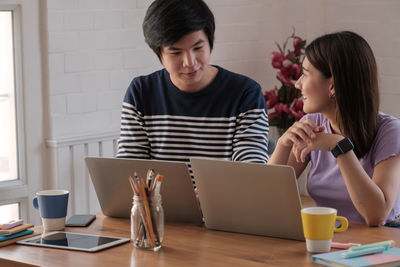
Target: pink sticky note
(381,258)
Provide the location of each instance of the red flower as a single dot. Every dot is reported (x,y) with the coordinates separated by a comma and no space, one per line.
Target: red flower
(297,44)
(284,102)
(284,78)
(297,114)
(271,97)
(279,109)
(277,59)
(297,108)
(272,115)
(297,71)
(297,104)
(289,73)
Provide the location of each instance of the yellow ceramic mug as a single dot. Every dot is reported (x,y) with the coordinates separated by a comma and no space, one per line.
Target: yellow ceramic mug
(319,226)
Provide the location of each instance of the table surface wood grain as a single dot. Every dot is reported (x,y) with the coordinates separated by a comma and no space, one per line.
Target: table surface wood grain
(186,245)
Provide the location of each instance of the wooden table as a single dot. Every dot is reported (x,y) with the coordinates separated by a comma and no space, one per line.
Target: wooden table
(187,245)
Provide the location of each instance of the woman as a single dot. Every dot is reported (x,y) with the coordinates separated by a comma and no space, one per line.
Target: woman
(339,85)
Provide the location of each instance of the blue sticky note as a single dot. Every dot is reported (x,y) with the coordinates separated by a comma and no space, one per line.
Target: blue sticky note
(390,257)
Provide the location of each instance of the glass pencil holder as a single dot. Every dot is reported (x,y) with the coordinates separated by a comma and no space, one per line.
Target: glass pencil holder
(147,222)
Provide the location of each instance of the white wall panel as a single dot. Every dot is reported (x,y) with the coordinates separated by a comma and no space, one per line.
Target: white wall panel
(71,173)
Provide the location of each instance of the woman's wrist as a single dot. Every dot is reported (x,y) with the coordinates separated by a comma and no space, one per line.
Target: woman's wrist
(333,140)
(281,143)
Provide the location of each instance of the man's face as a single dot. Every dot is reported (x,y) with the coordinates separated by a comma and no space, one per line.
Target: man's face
(187,62)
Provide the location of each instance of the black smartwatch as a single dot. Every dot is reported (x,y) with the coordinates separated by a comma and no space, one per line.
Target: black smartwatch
(342,147)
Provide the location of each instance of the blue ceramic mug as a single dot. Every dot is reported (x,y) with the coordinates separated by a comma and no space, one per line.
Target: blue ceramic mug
(52,205)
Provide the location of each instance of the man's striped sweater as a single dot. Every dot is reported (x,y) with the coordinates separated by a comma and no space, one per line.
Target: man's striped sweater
(226,120)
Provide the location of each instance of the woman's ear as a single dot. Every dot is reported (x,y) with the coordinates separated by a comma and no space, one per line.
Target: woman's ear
(331,88)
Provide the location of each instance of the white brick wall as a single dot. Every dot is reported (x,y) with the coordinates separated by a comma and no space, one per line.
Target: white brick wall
(121,79)
(81,103)
(78,20)
(378,21)
(95,81)
(64,83)
(110,100)
(108,60)
(79,61)
(105,20)
(62,4)
(96,47)
(140,57)
(58,105)
(63,42)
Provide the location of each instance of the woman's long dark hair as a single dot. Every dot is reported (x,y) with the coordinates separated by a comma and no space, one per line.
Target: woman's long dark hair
(348,58)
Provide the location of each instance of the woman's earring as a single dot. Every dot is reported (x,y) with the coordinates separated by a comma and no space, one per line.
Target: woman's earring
(331,95)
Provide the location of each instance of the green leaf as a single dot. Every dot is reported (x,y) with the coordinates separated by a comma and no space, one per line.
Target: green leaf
(282,94)
(279,79)
(279,47)
(292,58)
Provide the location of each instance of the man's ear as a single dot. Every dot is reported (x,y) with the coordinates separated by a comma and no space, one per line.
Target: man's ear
(159,57)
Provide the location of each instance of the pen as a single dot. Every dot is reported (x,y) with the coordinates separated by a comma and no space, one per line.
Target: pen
(149,177)
(386,244)
(366,251)
(344,245)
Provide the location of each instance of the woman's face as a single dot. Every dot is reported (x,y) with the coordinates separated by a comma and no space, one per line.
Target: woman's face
(315,89)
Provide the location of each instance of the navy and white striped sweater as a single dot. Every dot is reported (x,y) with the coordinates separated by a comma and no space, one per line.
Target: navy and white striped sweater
(226,120)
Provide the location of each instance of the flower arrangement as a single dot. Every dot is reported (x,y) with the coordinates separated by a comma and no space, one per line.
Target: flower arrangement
(284,105)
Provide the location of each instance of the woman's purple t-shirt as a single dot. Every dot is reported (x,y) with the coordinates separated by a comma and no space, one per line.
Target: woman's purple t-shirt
(325,183)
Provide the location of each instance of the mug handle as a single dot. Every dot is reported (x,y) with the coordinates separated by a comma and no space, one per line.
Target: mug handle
(344,226)
(35,203)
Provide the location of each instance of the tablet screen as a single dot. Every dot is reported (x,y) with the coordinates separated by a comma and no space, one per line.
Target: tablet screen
(74,241)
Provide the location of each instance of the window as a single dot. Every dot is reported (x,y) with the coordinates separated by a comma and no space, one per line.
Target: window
(13,189)
(8,136)
(9,212)
(22,121)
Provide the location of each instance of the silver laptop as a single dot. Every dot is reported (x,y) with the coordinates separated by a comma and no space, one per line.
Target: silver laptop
(110,179)
(249,198)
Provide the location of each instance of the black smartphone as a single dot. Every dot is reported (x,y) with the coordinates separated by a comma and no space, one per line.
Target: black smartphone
(80,220)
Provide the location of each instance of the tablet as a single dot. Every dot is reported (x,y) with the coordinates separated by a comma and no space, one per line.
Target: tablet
(74,241)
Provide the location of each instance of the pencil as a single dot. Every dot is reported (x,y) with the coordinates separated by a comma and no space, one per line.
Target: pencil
(148,217)
(134,186)
(158,184)
(152,216)
(143,224)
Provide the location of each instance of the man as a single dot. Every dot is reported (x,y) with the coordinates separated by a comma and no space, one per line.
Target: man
(190,108)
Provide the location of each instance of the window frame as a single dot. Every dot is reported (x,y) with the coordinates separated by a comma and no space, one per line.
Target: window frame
(17,191)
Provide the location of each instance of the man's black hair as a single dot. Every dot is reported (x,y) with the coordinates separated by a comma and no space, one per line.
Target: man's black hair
(167,21)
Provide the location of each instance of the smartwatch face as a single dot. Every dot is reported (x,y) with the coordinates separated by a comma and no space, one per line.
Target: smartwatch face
(346,145)
(343,146)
